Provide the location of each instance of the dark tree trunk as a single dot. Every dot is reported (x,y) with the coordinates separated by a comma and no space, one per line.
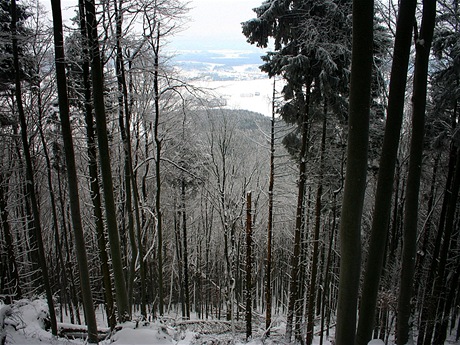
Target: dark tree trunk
(327,270)
(315,264)
(105,164)
(268,268)
(294,283)
(185,251)
(423,45)
(356,171)
(248,266)
(387,165)
(158,144)
(179,258)
(72,181)
(94,176)
(440,290)
(430,301)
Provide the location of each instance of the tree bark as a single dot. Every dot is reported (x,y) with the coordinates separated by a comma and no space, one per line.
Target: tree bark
(72,180)
(314,265)
(30,184)
(423,45)
(293,288)
(185,251)
(105,164)
(387,166)
(158,145)
(94,175)
(248,266)
(268,268)
(356,171)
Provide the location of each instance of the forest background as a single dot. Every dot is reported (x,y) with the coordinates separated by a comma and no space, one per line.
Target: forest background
(127,187)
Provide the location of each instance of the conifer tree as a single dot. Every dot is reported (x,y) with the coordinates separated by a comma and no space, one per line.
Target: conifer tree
(311,53)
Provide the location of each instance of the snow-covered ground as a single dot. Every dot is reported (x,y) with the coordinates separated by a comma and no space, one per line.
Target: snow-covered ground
(26,325)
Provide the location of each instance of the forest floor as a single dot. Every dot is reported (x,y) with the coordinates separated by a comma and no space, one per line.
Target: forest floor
(24,324)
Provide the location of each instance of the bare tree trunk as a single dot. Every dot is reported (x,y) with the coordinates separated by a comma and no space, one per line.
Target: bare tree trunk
(105,164)
(94,176)
(293,288)
(72,182)
(158,144)
(248,266)
(179,256)
(423,46)
(268,268)
(314,265)
(30,185)
(327,272)
(53,205)
(430,299)
(439,290)
(356,172)
(387,165)
(185,251)
(131,183)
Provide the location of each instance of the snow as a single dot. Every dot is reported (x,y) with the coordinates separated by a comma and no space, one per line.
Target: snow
(142,335)
(376,342)
(27,320)
(26,325)
(251,94)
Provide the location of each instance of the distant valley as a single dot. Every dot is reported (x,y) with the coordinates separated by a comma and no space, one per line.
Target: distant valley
(232,76)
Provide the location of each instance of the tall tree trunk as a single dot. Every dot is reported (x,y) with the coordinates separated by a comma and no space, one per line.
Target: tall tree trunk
(179,256)
(158,144)
(94,176)
(315,259)
(327,272)
(293,288)
(105,164)
(423,46)
(356,172)
(248,266)
(268,268)
(440,290)
(131,183)
(72,180)
(430,301)
(30,185)
(185,251)
(387,166)
(57,239)
(68,252)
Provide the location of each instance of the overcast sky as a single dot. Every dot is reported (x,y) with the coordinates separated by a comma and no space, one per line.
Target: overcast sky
(216,24)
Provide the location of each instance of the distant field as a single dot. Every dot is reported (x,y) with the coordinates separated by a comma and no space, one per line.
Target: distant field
(233,76)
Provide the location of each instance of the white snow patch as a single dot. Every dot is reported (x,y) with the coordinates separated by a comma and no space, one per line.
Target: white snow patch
(146,336)
(376,342)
